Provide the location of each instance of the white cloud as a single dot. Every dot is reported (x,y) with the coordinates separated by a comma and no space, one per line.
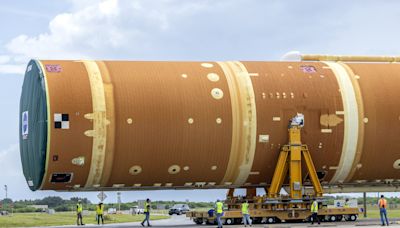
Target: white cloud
(102,27)
(12,68)
(4,59)
(9,161)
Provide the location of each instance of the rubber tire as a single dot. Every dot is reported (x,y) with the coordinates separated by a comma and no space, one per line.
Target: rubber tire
(332,218)
(270,220)
(198,221)
(229,221)
(353,218)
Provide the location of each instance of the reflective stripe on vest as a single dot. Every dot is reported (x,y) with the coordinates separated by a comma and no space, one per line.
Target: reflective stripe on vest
(99,209)
(314,207)
(79,208)
(382,203)
(219,207)
(245,208)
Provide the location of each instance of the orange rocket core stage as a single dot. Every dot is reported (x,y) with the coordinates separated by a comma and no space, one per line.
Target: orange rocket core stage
(108,125)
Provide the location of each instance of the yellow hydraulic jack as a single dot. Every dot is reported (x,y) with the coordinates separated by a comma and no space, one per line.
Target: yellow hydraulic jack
(290,158)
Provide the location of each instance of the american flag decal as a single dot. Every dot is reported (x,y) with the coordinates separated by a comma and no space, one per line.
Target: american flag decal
(53,68)
(308,69)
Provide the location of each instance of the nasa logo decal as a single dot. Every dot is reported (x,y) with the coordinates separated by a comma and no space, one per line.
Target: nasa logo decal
(25,125)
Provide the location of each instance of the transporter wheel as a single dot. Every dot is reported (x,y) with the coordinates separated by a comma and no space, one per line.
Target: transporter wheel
(339,218)
(353,217)
(270,220)
(332,218)
(256,220)
(229,221)
(238,220)
(198,221)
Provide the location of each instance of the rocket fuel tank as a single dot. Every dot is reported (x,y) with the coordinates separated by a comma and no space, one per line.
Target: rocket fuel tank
(106,125)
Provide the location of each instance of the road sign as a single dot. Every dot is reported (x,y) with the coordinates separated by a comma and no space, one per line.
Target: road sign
(102,196)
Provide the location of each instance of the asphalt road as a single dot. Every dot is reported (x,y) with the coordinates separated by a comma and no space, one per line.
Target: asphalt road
(182,221)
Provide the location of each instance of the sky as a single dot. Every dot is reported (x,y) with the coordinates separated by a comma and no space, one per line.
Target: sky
(173,30)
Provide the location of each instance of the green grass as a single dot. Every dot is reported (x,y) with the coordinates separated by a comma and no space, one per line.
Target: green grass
(65,218)
(374,213)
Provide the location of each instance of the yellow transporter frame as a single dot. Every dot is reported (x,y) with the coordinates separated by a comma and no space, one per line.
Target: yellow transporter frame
(274,207)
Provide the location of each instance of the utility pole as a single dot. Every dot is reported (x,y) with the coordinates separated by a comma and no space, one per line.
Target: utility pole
(119,201)
(6,189)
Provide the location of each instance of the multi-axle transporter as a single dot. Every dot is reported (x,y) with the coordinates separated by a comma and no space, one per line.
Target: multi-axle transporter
(274,207)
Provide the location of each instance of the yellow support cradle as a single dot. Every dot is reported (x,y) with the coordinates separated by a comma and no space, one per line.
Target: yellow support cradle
(290,160)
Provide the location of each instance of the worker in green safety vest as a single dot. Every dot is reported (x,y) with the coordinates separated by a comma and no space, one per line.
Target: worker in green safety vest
(314,212)
(147,208)
(219,208)
(79,209)
(246,213)
(99,213)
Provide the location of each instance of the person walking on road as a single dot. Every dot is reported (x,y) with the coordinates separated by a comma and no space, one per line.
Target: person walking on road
(314,212)
(382,203)
(79,209)
(219,208)
(246,214)
(147,208)
(99,213)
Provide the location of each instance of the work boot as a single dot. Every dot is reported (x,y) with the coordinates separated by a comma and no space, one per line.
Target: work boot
(142,224)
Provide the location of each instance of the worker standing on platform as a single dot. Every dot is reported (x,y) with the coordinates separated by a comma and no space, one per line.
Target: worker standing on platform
(246,214)
(314,212)
(99,213)
(79,209)
(147,208)
(219,208)
(382,203)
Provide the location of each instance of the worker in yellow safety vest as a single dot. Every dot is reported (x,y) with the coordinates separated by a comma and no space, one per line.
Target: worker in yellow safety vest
(246,213)
(147,208)
(99,213)
(382,203)
(314,212)
(219,208)
(79,209)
